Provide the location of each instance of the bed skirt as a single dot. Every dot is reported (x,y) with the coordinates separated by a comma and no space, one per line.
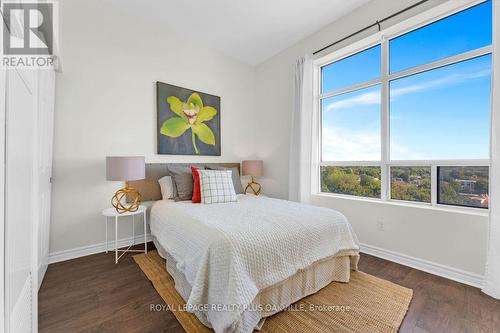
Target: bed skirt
(276,297)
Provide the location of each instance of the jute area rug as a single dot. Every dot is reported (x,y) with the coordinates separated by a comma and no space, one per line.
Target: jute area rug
(365,304)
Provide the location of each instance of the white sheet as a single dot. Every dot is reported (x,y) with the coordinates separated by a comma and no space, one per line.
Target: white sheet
(229,252)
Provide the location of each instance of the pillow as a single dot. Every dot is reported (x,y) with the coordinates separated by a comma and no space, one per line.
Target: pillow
(216,186)
(236,177)
(183,182)
(166,187)
(196,198)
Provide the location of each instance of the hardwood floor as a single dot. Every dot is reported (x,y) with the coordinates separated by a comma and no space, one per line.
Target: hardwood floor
(438,305)
(92,294)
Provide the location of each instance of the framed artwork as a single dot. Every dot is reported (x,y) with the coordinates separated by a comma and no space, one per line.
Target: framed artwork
(188,121)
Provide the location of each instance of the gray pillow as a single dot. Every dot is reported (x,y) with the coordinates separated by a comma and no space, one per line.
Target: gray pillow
(235,175)
(183,182)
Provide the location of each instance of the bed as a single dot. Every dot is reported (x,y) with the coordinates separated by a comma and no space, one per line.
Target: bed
(237,263)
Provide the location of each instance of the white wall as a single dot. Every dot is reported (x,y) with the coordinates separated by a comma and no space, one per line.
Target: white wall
(444,237)
(105,105)
(457,240)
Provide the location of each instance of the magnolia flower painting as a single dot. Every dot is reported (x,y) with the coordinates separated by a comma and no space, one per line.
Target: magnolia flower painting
(188,121)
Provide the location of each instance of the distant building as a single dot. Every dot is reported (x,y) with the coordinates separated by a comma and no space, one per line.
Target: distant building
(467,184)
(416,180)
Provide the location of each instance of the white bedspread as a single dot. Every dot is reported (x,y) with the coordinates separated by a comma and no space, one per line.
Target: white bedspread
(229,252)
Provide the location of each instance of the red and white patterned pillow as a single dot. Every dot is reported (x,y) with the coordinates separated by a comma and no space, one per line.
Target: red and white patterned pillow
(216,186)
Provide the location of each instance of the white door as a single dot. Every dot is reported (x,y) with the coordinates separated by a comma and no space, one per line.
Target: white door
(20,154)
(26,135)
(45,133)
(29,119)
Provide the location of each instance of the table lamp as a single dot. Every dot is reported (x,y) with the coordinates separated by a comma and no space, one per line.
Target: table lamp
(254,169)
(125,168)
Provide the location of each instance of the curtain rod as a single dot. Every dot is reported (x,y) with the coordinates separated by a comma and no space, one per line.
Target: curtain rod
(377,23)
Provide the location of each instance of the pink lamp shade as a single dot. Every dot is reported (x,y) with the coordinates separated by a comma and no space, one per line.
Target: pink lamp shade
(252,168)
(123,168)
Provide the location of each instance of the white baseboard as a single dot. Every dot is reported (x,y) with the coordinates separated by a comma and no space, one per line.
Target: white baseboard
(93,249)
(448,272)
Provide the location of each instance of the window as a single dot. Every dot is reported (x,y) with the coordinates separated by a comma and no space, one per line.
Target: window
(465,31)
(339,74)
(407,117)
(351,126)
(359,181)
(411,183)
(463,186)
(442,113)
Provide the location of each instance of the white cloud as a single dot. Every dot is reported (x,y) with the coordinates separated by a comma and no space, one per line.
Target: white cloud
(341,144)
(402,152)
(369,98)
(447,80)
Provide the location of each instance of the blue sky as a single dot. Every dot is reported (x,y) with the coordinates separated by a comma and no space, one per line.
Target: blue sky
(439,114)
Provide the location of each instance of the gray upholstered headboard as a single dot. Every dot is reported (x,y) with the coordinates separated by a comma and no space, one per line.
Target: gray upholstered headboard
(149,188)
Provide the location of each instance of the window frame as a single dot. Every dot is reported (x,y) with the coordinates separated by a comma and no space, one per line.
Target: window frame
(385,163)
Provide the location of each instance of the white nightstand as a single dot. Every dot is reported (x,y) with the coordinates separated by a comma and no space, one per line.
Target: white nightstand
(111,212)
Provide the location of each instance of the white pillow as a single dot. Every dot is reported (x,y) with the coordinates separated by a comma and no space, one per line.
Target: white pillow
(216,186)
(166,187)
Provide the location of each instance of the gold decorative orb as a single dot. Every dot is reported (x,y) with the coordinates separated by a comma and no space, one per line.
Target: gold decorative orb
(254,186)
(133,196)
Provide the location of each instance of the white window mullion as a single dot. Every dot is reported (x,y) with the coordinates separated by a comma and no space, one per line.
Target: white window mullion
(386,182)
(352,88)
(350,163)
(434,184)
(384,116)
(442,62)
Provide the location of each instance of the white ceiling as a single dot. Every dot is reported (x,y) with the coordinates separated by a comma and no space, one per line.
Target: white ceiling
(250,31)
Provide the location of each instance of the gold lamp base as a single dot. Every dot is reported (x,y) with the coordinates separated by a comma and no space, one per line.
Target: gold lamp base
(127,192)
(254,186)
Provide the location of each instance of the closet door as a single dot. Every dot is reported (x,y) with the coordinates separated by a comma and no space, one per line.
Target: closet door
(20,229)
(45,133)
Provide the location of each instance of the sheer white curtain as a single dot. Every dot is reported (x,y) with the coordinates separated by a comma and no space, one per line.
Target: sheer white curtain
(301,130)
(492,273)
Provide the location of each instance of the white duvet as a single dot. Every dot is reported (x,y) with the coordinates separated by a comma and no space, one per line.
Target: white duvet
(229,252)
